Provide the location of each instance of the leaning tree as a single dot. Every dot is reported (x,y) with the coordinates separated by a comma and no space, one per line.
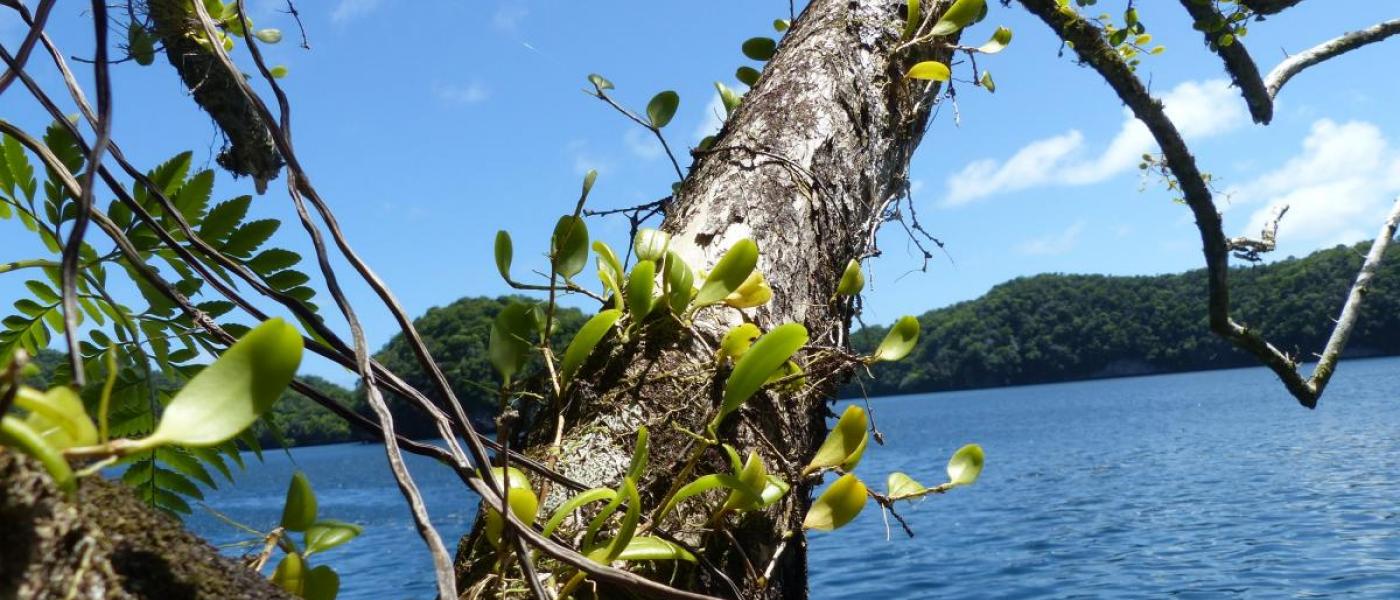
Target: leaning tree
(670,449)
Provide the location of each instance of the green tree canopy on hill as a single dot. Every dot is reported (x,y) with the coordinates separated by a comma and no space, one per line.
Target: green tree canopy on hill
(457,336)
(1064,327)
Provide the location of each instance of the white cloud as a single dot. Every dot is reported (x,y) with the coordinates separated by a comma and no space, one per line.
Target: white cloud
(584,160)
(1053,244)
(1338,188)
(455,93)
(712,120)
(508,16)
(643,144)
(347,10)
(1199,109)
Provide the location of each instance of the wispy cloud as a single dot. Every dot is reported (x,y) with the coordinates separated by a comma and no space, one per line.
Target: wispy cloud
(642,144)
(508,16)
(348,10)
(456,93)
(712,119)
(1338,187)
(1054,244)
(1200,110)
(584,159)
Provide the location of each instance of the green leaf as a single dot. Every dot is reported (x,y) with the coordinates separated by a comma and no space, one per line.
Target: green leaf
(290,574)
(653,548)
(569,246)
(737,341)
(628,527)
(610,272)
(299,509)
(141,45)
(929,70)
(322,583)
(589,179)
(230,394)
(57,416)
(1001,38)
(966,465)
(707,483)
(773,491)
(899,342)
(519,496)
(988,83)
(650,244)
(640,454)
(852,280)
(961,14)
(781,25)
(639,289)
(246,239)
(754,291)
(662,108)
(510,340)
(268,36)
(278,71)
(504,254)
(223,219)
(573,504)
(846,438)
(324,535)
(753,369)
(729,98)
(14,433)
(760,48)
(600,83)
(680,282)
(754,477)
(729,273)
(837,506)
(900,486)
(748,75)
(911,20)
(584,341)
(273,260)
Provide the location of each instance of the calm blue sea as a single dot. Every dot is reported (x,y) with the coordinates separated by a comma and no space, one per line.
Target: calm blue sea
(1201,485)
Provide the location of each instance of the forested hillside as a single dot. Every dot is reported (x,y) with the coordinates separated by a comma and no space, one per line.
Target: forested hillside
(1055,327)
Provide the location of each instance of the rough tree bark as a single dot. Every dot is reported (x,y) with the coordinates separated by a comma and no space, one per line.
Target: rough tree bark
(804,167)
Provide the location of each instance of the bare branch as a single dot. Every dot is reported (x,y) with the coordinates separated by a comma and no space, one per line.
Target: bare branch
(1249,249)
(1269,7)
(1327,50)
(1238,63)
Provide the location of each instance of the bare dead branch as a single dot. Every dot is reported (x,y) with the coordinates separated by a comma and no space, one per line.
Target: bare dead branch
(1250,249)
(1327,50)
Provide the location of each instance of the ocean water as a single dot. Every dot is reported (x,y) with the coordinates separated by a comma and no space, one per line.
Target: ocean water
(1200,485)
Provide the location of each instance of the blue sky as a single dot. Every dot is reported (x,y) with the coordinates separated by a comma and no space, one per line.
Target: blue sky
(429,125)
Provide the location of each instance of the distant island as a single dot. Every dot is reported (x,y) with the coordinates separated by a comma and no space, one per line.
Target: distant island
(1041,329)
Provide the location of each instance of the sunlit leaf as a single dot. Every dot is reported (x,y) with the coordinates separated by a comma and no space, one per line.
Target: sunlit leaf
(584,341)
(505,252)
(600,83)
(845,439)
(838,505)
(520,497)
(754,291)
(299,509)
(852,279)
(653,548)
(988,83)
(754,476)
(650,244)
(966,465)
(640,284)
(911,20)
(961,14)
(141,45)
(230,394)
(1001,38)
(641,452)
(737,341)
(781,25)
(278,71)
(760,48)
(900,486)
(16,434)
(57,416)
(680,282)
(929,70)
(268,36)
(753,368)
(729,98)
(899,342)
(729,273)
(324,535)
(628,527)
(573,504)
(322,583)
(589,179)
(569,246)
(747,75)
(710,482)
(662,108)
(291,574)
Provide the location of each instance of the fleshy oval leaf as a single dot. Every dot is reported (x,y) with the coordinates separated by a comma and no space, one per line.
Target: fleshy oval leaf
(732,270)
(754,476)
(299,508)
(662,108)
(322,583)
(838,505)
(290,574)
(966,465)
(231,393)
(760,48)
(600,83)
(753,292)
(57,416)
(900,486)
(852,279)
(1001,38)
(929,70)
(640,284)
(505,252)
(650,244)
(584,341)
(844,440)
(680,282)
(16,434)
(737,341)
(747,75)
(324,535)
(899,342)
(961,14)
(753,369)
(509,344)
(519,496)
(653,548)
(569,246)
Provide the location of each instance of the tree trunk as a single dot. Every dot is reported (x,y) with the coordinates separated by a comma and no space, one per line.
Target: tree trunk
(804,166)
